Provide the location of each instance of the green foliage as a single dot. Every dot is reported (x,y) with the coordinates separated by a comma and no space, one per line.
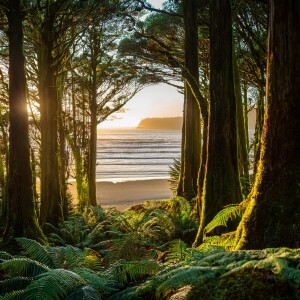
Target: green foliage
(130,271)
(54,284)
(36,251)
(14,284)
(229,212)
(184,276)
(84,292)
(176,251)
(22,266)
(174,175)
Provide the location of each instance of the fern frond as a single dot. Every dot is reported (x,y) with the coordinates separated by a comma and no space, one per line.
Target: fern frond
(101,283)
(15,295)
(128,247)
(128,271)
(174,175)
(84,292)
(184,276)
(36,251)
(5,256)
(230,212)
(176,251)
(14,284)
(56,239)
(69,256)
(24,267)
(53,285)
(292,274)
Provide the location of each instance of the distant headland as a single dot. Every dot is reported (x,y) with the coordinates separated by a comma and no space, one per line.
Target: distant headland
(174,123)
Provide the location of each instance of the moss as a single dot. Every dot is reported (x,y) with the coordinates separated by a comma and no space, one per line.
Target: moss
(244,284)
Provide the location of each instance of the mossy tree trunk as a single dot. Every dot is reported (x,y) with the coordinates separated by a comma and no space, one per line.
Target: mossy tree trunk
(222,185)
(4,166)
(192,147)
(241,130)
(245,108)
(260,111)
(51,203)
(272,217)
(22,219)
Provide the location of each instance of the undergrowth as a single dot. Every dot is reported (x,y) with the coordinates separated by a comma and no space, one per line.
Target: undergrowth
(145,253)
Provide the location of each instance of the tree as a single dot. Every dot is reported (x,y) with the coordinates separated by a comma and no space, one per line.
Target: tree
(22,219)
(190,155)
(222,185)
(272,215)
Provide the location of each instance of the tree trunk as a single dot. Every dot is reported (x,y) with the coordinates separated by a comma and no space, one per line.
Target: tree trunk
(192,112)
(93,134)
(245,107)
(180,179)
(51,205)
(272,218)
(22,220)
(260,111)
(5,163)
(222,184)
(242,143)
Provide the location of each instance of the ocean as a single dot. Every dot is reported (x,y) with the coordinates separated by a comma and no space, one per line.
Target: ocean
(134,154)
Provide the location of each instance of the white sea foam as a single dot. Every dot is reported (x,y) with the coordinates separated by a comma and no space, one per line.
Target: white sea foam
(128,155)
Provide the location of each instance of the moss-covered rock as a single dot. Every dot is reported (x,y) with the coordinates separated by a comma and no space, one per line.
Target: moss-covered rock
(245,284)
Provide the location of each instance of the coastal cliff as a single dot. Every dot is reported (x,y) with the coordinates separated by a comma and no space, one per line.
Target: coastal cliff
(161,123)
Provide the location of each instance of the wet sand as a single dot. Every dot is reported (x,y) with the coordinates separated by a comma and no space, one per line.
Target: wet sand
(122,195)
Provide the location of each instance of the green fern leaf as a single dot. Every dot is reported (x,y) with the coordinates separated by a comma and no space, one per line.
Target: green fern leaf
(184,276)
(16,295)
(130,271)
(24,267)
(36,251)
(5,255)
(53,285)
(230,212)
(14,284)
(84,292)
(176,251)
(101,283)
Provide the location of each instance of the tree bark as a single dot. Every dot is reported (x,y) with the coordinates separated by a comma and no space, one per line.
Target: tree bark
(222,184)
(260,111)
(242,144)
(51,204)
(192,112)
(22,219)
(272,217)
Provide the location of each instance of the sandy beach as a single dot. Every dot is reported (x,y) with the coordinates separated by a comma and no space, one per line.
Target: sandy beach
(122,195)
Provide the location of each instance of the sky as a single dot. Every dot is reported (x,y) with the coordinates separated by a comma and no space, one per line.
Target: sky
(159,100)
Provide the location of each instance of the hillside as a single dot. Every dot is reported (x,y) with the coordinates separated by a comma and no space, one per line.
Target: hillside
(161,123)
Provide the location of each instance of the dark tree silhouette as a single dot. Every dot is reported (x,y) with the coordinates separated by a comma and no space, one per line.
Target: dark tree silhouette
(272,218)
(22,219)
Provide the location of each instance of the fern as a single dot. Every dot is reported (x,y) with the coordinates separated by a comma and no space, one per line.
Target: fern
(53,285)
(36,251)
(184,276)
(5,256)
(23,267)
(102,283)
(130,271)
(15,295)
(226,241)
(13,284)
(174,175)
(84,292)
(177,251)
(128,247)
(230,212)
